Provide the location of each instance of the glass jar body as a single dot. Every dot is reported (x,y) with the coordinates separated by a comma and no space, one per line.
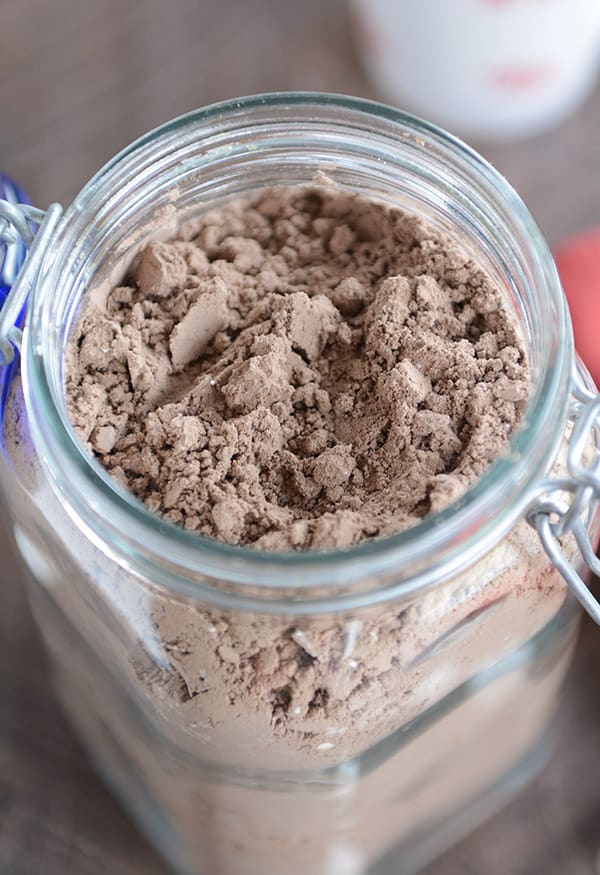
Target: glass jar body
(252,725)
(414,719)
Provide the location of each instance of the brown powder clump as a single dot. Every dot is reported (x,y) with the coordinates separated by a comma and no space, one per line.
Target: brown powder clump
(302,370)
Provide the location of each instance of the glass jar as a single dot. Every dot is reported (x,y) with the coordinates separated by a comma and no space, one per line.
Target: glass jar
(337,712)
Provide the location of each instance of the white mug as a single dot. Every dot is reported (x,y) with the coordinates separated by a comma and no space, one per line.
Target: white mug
(492,68)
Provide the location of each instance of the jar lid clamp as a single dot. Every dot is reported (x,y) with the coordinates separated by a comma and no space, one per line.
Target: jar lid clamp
(560,506)
(566,505)
(15,231)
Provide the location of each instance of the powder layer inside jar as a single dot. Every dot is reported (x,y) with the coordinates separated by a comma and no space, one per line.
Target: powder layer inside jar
(301,370)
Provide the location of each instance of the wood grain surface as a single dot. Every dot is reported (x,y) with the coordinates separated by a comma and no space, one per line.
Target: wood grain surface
(79,80)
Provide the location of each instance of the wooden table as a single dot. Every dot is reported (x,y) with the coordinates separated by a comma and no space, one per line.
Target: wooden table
(79,80)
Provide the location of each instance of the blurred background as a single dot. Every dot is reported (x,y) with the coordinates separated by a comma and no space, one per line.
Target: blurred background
(80,80)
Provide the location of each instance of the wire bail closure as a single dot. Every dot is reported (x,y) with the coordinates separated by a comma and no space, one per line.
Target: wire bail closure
(16,222)
(567,506)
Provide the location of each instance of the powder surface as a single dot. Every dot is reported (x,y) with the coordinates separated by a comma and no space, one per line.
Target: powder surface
(302,370)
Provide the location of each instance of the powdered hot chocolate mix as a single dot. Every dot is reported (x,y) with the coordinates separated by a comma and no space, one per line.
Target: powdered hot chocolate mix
(301,370)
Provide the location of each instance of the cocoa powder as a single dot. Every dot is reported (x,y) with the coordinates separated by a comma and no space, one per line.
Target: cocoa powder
(301,370)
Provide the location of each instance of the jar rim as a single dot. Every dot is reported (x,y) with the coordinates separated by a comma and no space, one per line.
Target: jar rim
(510,478)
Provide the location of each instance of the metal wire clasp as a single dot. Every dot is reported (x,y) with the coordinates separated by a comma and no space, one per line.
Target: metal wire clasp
(568,505)
(16,222)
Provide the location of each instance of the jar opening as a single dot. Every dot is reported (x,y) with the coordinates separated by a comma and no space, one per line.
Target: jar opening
(235,148)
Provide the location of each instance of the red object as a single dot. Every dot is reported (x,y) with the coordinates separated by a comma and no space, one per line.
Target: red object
(524,77)
(578,262)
